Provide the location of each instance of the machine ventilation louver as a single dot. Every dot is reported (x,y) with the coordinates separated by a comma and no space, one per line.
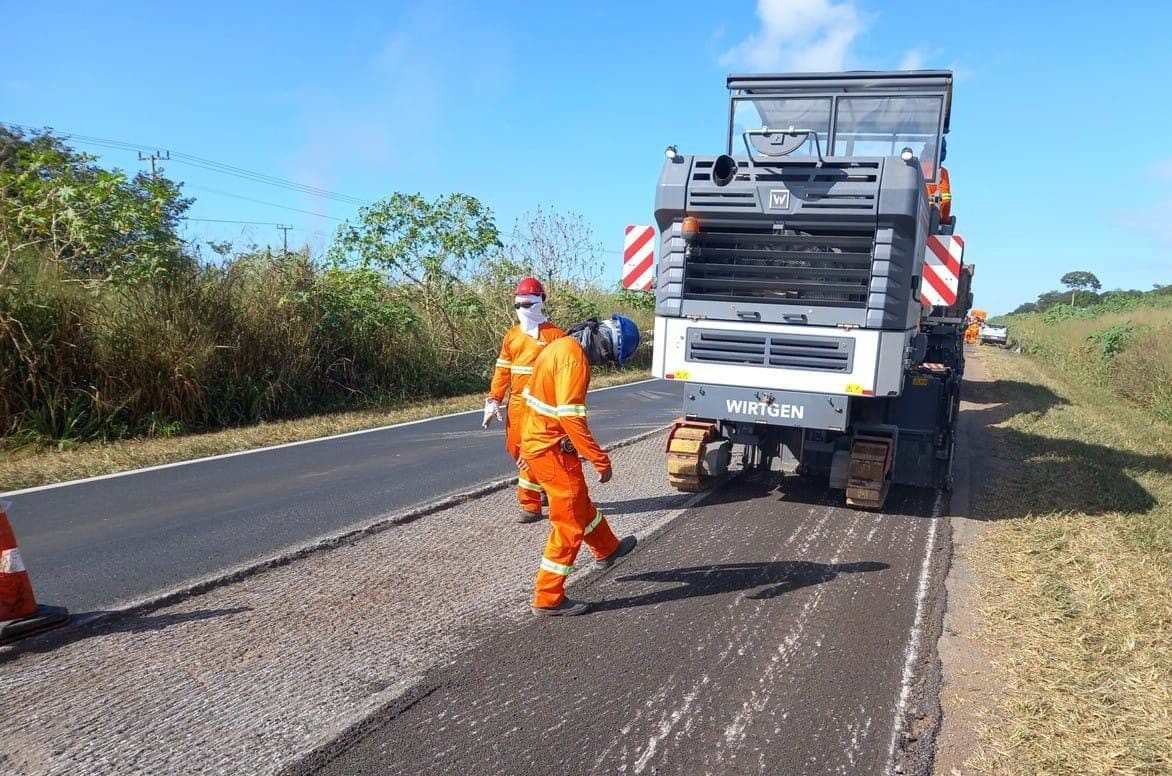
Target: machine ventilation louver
(831,186)
(827,266)
(786,351)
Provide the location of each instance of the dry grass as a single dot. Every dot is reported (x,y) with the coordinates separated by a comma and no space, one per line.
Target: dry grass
(30,468)
(1076,597)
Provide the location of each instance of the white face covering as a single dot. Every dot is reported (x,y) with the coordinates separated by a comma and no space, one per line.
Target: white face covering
(530,317)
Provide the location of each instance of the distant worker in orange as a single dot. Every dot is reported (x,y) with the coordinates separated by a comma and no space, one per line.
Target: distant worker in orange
(514,364)
(940,192)
(553,435)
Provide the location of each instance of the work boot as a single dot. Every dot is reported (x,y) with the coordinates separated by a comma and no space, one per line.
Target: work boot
(625,546)
(528,517)
(567,607)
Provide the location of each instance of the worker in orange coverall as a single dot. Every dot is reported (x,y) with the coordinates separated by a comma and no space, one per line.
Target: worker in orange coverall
(553,435)
(940,193)
(519,349)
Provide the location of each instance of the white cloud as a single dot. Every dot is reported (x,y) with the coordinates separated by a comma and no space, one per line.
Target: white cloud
(1153,220)
(961,73)
(1161,170)
(912,60)
(799,35)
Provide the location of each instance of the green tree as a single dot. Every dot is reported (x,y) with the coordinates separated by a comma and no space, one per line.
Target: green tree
(1080,281)
(1048,299)
(428,247)
(100,223)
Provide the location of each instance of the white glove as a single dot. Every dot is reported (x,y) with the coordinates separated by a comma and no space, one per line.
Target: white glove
(491,407)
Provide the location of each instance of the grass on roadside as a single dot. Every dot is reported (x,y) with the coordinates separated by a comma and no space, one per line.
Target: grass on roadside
(1128,352)
(29,467)
(1076,569)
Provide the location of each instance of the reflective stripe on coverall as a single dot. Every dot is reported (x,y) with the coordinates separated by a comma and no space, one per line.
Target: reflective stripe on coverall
(514,365)
(556,398)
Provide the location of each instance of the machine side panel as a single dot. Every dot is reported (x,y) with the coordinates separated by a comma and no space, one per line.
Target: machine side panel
(893,347)
(669,205)
(658,352)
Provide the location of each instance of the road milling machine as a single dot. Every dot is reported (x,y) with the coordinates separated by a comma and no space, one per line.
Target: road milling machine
(809,294)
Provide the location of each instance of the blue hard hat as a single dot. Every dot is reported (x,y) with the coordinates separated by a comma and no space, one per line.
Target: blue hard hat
(624,336)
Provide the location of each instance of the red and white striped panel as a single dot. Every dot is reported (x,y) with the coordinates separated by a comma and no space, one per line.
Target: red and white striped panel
(942,263)
(639,258)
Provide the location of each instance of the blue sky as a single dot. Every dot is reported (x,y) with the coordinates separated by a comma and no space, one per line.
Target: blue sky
(1060,149)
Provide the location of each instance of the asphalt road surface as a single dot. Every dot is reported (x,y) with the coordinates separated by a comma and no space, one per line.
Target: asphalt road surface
(760,633)
(96,543)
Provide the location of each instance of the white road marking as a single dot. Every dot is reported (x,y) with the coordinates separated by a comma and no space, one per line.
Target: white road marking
(912,653)
(158,467)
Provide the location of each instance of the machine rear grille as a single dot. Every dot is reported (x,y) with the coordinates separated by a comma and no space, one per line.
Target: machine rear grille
(837,186)
(788,351)
(828,266)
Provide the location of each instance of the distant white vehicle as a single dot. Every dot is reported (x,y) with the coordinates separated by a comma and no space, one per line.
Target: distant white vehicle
(994,334)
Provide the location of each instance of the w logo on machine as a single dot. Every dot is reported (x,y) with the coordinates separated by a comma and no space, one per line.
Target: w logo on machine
(779,199)
(942,262)
(639,258)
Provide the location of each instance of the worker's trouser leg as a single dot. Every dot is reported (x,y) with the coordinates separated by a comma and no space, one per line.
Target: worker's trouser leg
(528,491)
(573,519)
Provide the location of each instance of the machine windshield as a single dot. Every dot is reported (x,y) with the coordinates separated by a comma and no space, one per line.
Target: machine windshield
(862,126)
(781,113)
(884,126)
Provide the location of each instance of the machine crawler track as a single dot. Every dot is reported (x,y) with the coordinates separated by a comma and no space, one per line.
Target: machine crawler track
(686,445)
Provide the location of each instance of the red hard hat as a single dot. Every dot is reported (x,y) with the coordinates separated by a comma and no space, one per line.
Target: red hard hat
(530,286)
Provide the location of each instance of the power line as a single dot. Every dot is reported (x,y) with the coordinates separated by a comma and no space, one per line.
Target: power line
(238,172)
(314,232)
(209,164)
(229,221)
(262,202)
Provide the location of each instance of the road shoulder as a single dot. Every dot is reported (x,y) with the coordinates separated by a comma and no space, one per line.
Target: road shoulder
(969,685)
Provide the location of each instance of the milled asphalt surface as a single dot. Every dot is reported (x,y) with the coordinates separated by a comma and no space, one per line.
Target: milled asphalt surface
(759,633)
(96,544)
(255,674)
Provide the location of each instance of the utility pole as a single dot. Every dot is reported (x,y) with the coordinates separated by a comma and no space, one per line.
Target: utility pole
(156,156)
(284,238)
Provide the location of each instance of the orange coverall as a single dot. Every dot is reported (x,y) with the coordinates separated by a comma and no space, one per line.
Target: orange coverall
(556,399)
(513,367)
(944,187)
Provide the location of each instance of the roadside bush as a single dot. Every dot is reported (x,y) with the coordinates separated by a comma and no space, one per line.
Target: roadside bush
(1142,371)
(1112,339)
(1123,343)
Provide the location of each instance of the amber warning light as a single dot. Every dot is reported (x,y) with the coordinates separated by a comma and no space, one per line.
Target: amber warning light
(690,228)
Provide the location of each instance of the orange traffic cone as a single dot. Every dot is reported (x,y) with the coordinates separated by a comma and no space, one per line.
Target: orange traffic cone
(20,615)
